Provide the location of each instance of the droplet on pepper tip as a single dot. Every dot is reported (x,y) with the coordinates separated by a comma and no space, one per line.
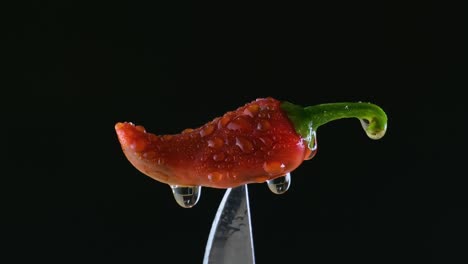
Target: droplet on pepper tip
(374,134)
(280,185)
(119,125)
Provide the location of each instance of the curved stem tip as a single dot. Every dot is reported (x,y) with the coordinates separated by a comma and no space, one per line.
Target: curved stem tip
(307,120)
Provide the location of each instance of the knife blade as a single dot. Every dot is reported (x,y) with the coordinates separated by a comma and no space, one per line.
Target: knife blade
(230,240)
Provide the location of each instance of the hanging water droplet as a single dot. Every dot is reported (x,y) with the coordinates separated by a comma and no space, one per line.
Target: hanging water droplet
(186,196)
(312,147)
(372,134)
(280,185)
(364,123)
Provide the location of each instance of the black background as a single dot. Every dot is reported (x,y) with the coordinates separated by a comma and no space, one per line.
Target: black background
(69,195)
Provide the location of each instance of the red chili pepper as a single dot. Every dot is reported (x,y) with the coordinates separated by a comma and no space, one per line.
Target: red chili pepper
(258,142)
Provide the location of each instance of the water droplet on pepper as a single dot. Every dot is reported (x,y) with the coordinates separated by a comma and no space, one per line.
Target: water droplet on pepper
(218,156)
(223,121)
(149,155)
(263,125)
(251,110)
(215,142)
(267,144)
(187,130)
(244,144)
(373,135)
(167,137)
(153,137)
(280,185)
(206,131)
(311,148)
(239,123)
(140,128)
(215,177)
(273,167)
(138,145)
(186,196)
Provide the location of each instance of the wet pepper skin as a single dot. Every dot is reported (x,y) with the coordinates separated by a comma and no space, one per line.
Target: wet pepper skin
(255,143)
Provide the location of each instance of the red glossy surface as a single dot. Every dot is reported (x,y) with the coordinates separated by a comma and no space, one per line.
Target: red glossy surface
(254,143)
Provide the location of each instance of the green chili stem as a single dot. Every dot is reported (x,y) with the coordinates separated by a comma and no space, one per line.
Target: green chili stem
(307,120)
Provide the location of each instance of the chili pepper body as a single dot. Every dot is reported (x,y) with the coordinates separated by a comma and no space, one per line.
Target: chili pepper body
(255,143)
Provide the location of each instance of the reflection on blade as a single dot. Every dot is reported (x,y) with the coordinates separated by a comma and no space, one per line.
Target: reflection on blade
(230,240)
